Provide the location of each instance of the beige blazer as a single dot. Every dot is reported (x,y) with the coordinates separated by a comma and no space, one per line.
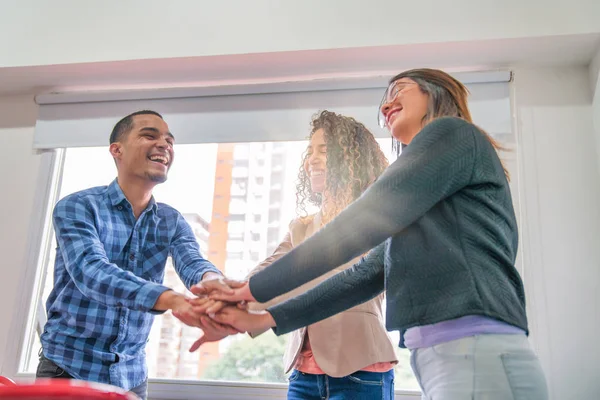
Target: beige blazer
(344,343)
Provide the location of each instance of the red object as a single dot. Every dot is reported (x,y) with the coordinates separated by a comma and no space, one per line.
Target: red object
(63,389)
(6,381)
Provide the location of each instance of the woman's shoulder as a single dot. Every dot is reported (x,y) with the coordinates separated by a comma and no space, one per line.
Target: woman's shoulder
(304,220)
(455,130)
(451,124)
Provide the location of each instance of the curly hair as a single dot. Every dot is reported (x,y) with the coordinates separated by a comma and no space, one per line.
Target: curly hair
(354,161)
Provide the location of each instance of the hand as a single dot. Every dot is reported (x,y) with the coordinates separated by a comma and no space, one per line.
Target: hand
(171,300)
(235,294)
(211,332)
(244,321)
(185,312)
(205,305)
(215,283)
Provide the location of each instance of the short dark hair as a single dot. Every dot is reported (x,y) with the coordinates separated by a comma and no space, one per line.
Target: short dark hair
(126,124)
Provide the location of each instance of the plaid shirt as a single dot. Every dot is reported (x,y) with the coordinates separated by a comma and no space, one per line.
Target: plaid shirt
(107,277)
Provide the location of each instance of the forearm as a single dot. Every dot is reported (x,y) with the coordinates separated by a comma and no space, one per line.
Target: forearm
(107,284)
(356,285)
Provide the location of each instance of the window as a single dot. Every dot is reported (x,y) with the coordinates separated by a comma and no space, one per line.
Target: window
(236,227)
(241,163)
(235,246)
(237,206)
(239,187)
(239,172)
(169,339)
(235,236)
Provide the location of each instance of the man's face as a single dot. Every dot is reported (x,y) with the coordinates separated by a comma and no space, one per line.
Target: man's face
(146,152)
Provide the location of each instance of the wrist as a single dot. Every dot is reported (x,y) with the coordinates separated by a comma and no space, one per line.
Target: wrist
(267,320)
(167,300)
(210,275)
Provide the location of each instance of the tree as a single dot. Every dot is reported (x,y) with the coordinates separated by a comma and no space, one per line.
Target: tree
(261,360)
(247,359)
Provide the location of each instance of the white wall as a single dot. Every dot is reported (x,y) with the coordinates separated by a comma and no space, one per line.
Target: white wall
(19,165)
(71,31)
(595,85)
(560,227)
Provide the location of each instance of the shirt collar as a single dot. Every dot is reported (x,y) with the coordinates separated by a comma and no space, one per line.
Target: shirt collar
(115,194)
(117,197)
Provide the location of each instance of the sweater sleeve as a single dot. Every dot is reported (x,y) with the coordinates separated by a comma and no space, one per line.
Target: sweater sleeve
(438,162)
(351,287)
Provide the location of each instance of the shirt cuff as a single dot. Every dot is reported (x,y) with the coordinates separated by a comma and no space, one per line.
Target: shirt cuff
(147,296)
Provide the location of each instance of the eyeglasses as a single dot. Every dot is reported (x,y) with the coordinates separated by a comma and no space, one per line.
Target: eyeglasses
(391,93)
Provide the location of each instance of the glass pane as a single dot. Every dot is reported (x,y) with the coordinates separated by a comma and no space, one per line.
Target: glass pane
(239,199)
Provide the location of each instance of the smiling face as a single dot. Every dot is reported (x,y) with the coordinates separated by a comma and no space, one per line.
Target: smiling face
(404,109)
(146,151)
(315,164)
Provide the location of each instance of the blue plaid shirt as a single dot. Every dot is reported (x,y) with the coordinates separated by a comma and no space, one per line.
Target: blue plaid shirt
(108,275)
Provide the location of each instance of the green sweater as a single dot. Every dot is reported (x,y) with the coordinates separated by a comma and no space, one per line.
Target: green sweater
(441,224)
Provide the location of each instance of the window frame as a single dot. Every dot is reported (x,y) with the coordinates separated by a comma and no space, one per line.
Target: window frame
(31,282)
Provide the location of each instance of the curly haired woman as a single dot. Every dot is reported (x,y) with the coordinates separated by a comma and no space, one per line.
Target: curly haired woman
(349,355)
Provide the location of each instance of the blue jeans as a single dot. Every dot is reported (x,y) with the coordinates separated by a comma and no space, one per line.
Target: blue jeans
(361,385)
(48,369)
(490,367)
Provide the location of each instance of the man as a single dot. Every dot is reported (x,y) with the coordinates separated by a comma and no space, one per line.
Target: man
(113,244)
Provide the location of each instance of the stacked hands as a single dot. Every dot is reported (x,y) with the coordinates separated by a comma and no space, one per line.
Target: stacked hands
(221,309)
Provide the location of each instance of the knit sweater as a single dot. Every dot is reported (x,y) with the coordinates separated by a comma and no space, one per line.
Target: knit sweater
(441,224)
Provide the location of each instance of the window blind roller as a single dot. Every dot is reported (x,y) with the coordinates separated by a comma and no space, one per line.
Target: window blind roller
(247,117)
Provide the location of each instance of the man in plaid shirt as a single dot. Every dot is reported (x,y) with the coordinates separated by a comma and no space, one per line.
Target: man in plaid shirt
(113,244)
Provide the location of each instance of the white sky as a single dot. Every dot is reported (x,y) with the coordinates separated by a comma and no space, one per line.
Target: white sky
(190,185)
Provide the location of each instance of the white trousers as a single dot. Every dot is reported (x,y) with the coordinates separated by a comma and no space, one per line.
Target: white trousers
(490,367)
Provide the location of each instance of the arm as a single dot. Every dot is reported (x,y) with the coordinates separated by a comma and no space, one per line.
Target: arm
(187,259)
(439,162)
(88,265)
(351,287)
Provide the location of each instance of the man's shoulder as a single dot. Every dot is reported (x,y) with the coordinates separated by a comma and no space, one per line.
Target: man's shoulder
(166,211)
(85,196)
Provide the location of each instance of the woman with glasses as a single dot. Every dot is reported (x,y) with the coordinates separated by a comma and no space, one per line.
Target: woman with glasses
(443,233)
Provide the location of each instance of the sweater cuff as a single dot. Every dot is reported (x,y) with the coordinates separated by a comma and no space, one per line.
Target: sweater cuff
(283,324)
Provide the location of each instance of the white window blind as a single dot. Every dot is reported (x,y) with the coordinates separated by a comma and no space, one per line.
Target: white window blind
(86,119)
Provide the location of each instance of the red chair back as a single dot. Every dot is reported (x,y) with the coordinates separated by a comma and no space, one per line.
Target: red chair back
(6,381)
(63,389)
